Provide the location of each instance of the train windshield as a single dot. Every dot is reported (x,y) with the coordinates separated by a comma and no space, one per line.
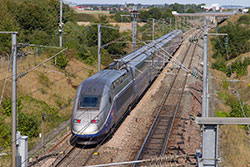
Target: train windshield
(89,102)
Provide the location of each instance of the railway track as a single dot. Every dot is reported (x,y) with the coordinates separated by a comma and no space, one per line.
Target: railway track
(79,156)
(156,141)
(75,155)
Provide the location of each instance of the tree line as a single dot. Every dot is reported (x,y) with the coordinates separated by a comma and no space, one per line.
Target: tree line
(37,22)
(238,43)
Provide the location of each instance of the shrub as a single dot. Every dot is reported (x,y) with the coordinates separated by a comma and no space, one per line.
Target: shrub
(225,84)
(43,91)
(6,104)
(238,41)
(58,100)
(240,67)
(28,124)
(43,79)
(245,19)
(220,64)
(62,61)
(236,108)
(5,133)
(221,114)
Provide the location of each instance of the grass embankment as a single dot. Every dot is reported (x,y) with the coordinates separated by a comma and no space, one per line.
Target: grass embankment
(47,90)
(234,141)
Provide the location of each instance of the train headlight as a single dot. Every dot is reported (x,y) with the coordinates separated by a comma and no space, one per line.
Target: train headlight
(94,121)
(77,121)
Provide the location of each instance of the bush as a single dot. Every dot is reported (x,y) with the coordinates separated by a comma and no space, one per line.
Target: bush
(220,64)
(221,114)
(36,21)
(238,41)
(28,124)
(119,18)
(240,67)
(236,109)
(5,133)
(225,84)
(245,19)
(6,104)
(62,61)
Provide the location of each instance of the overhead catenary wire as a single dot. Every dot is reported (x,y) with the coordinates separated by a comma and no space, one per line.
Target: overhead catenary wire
(76,96)
(233,80)
(5,82)
(234,84)
(24,73)
(33,68)
(40,46)
(52,83)
(99,113)
(76,154)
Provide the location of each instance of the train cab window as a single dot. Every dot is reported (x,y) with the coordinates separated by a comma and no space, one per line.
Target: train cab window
(89,102)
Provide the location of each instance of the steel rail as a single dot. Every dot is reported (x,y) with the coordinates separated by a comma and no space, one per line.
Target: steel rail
(65,156)
(111,132)
(160,109)
(177,107)
(90,155)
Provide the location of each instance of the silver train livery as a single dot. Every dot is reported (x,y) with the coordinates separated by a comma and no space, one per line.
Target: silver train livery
(103,98)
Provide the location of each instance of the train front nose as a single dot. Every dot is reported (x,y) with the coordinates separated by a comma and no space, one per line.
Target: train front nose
(86,122)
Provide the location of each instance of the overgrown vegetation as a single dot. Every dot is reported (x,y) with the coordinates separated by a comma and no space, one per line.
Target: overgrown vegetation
(235,107)
(30,111)
(43,79)
(234,141)
(62,61)
(37,23)
(119,18)
(238,43)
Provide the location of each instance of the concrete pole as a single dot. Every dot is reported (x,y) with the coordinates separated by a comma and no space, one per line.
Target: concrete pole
(61,23)
(180,23)
(163,26)
(43,117)
(204,97)
(176,22)
(60,27)
(170,24)
(195,21)
(153,30)
(99,46)
(134,28)
(13,99)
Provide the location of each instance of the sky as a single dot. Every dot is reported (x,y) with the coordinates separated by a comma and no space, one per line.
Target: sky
(208,2)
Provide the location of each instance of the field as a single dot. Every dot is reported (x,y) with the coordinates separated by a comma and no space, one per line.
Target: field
(123,26)
(94,12)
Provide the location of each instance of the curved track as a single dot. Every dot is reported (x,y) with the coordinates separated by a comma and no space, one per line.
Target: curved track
(156,141)
(80,155)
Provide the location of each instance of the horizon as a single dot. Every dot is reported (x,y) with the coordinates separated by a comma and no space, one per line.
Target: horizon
(160,2)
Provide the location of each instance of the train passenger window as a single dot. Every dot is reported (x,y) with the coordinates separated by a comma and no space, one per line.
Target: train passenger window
(88,102)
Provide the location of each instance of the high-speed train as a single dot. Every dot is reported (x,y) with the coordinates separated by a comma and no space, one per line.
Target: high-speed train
(103,98)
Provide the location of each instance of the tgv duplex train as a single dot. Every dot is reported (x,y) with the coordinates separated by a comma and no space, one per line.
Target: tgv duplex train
(103,98)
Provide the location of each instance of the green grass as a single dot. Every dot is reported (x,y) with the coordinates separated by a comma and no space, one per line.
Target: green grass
(43,79)
(223,95)
(225,84)
(221,114)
